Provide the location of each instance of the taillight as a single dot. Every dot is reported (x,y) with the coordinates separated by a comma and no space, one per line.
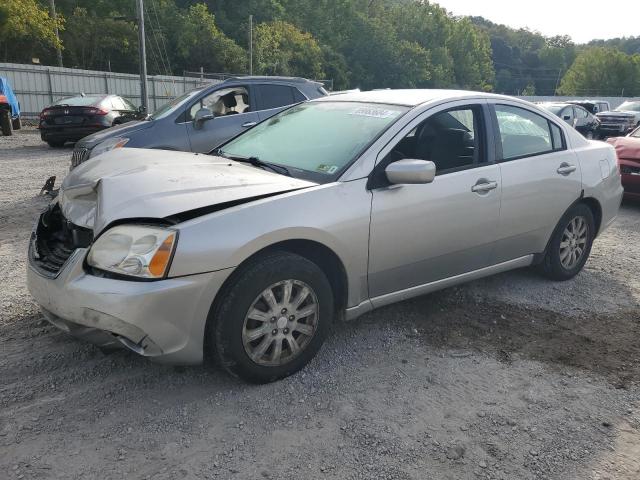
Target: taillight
(95,111)
(45,113)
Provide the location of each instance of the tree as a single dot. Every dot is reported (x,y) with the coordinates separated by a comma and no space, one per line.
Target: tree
(602,71)
(27,25)
(199,43)
(282,49)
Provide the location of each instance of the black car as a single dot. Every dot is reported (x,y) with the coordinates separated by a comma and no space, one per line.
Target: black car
(576,116)
(72,118)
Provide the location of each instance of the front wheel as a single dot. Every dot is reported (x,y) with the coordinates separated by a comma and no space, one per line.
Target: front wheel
(273,318)
(589,135)
(570,244)
(16,123)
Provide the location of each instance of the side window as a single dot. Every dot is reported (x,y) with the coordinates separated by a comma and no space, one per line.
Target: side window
(298,96)
(223,102)
(117,104)
(581,113)
(567,114)
(274,96)
(451,139)
(524,133)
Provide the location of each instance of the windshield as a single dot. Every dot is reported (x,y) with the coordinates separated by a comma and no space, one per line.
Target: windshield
(173,105)
(316,140)
(630,107)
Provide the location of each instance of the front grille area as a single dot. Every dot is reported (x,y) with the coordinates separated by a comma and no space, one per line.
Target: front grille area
(79,155)
(54,240)
(613,120)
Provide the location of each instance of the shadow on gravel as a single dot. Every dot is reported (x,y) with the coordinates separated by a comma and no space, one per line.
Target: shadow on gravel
(603,344)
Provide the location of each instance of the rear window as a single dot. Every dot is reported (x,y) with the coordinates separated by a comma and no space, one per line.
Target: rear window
(79,101)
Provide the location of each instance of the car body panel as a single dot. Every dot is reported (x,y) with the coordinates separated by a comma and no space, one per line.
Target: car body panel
(125,184)
(628,152)
(10,100)
(393,243)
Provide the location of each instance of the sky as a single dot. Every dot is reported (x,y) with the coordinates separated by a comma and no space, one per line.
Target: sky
(582,20)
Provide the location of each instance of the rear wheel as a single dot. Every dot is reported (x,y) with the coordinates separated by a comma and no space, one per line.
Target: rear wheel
(570,244)
(273,318)
(16,123)
(5,123)
(589,135)
(56,143)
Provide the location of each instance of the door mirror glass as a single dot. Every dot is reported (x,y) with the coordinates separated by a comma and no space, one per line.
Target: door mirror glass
(411,171)
(201,116)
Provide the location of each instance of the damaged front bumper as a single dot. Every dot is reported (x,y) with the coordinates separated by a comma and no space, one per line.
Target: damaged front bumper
(164,320)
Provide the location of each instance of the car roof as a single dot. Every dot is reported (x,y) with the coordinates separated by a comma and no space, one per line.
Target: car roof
(408,97)
(267,79)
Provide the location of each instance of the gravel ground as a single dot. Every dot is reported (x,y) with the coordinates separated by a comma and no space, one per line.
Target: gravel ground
(511,377)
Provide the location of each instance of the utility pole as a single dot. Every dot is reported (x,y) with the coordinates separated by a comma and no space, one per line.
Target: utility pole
(250,44)
(144,96)
(52,4)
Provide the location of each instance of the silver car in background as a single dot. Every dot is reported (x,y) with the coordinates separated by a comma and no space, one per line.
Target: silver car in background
(327,210)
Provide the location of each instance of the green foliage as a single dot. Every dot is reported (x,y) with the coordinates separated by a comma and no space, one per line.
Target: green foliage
(603,71)
(26,28)
(200,43)
(282,49)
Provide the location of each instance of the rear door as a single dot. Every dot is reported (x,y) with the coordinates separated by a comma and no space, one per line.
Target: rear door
(272,98)
(541,178)
(233,107)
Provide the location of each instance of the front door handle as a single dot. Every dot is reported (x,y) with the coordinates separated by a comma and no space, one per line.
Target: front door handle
(483,186)
(566,169)
(249,124)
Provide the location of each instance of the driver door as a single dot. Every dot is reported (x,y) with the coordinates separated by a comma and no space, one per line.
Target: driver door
(234,113)
(424,233)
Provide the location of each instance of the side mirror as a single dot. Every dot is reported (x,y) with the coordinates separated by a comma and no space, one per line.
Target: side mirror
(201,116)
(141,109)
(566,118)
(410,171)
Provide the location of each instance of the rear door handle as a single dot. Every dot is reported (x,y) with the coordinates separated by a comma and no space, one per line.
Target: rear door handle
(566,169)
(484,187)
(249,124)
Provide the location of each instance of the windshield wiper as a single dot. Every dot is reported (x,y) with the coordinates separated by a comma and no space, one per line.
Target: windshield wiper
(256,162)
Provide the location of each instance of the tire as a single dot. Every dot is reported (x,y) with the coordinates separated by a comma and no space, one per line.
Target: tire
(5,123)
(56,143)
(231,324)
(557,263)
(589,135)
(16,123)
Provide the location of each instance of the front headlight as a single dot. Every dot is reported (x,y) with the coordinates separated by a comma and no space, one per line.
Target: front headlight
(135,250)
(110,144)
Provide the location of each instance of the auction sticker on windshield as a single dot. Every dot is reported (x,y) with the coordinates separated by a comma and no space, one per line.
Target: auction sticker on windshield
(373,112)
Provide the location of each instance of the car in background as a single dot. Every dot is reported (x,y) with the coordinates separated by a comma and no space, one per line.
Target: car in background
(9,108)
(576,116)
(72,118)
(324,211)
(592,106)
(621,120)
(200,120)
(628,150)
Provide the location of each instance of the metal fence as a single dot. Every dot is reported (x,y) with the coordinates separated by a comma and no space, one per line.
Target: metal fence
(37,86)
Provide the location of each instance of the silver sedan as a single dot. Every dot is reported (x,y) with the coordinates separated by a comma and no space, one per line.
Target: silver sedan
(322,212)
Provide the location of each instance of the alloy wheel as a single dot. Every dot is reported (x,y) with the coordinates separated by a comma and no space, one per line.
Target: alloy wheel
(280,323)
(573,242)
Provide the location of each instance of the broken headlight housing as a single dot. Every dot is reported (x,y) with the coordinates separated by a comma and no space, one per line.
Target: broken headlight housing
(134,250)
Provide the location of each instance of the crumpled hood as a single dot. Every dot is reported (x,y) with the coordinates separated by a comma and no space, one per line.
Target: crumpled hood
(121,130)
(142,183)
(626,147)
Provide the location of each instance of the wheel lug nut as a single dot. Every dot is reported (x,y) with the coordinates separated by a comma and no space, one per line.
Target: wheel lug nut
(292,317)
(274,331)
(285,331)
(273,319)
(284,310)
